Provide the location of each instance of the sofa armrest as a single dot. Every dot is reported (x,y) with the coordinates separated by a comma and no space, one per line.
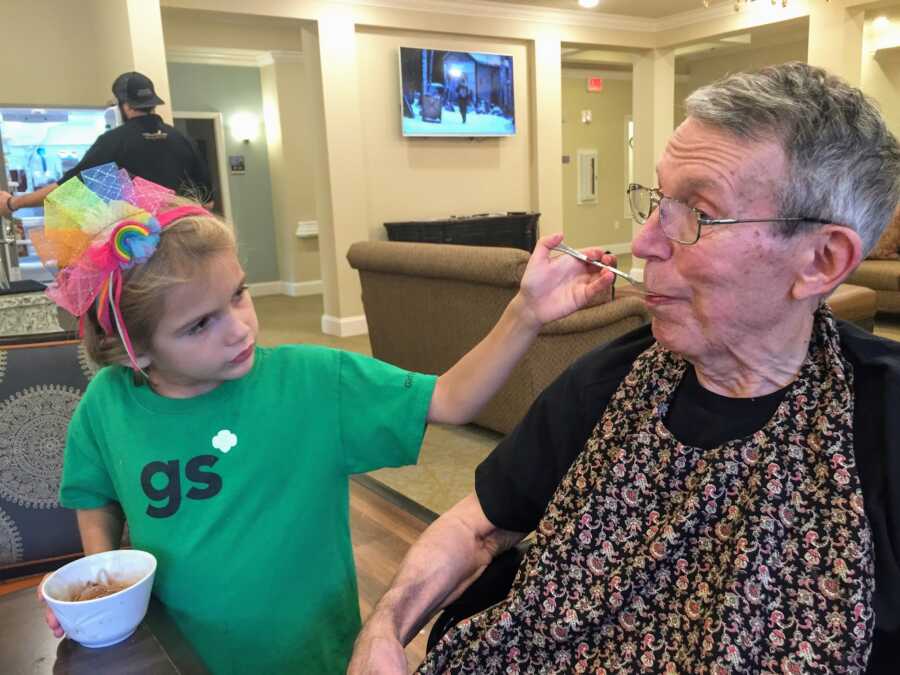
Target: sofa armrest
(492,265)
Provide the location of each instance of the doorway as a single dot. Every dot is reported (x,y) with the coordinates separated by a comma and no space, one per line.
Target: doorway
(206,130)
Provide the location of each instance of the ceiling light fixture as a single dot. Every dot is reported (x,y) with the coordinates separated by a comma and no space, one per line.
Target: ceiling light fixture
(588,4)
(740,4)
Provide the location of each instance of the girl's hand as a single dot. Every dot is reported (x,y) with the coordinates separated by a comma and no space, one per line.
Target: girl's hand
(552,288)
(4,212)
(49,616)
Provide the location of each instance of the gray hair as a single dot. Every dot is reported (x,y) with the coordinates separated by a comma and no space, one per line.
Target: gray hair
(843,165)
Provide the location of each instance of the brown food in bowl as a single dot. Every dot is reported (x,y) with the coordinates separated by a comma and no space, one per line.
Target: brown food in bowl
(103,586)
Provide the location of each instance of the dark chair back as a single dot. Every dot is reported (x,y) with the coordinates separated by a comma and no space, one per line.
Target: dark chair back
(40,387)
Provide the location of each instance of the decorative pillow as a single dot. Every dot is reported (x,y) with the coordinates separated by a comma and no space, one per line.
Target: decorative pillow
(888,247)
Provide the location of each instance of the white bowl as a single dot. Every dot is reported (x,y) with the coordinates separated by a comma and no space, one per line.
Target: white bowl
(103,621)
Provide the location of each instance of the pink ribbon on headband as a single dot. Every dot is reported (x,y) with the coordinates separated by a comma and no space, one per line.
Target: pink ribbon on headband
(121,251)
(96,227)
(166,218)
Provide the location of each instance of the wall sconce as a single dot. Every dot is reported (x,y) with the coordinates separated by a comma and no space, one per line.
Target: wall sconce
(244,126)
(881,23)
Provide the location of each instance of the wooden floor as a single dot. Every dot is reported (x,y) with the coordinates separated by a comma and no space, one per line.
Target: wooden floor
(382,533)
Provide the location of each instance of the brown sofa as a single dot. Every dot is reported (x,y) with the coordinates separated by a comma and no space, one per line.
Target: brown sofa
(881,270)
(427,304)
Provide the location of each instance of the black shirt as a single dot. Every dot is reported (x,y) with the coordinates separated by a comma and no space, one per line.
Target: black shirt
(146,146)
(518,479)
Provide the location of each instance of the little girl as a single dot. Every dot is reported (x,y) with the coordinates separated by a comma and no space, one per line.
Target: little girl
(229,461)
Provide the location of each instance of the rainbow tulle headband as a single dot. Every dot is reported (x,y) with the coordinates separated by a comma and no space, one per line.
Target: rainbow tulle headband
(93,230)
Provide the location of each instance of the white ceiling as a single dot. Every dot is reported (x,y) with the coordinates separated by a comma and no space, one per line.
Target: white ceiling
(650,9)
(760,37)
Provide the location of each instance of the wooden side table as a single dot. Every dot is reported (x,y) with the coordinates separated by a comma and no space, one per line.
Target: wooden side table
(27,645)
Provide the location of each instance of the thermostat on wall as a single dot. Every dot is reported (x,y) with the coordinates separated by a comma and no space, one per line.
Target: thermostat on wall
(307,229)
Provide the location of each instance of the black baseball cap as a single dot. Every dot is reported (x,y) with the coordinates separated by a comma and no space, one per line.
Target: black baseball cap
(136,90)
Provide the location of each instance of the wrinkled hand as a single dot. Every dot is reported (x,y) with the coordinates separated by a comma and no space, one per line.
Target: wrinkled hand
(4,212)
(377,654)
(49,616)
(552,288)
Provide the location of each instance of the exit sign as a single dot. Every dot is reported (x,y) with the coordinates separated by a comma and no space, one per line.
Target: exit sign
(595,84)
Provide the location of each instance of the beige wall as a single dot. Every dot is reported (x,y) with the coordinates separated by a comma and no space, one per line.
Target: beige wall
(291,150)
(881,70)
(695,73)
(115,49)
(418,178)
(603,222)
(51,55)
(208,30)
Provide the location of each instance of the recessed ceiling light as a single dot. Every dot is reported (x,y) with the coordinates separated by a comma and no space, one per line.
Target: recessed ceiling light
(881,22)
(588,4)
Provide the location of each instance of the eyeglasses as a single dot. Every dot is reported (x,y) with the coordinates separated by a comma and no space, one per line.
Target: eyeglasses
(681,222)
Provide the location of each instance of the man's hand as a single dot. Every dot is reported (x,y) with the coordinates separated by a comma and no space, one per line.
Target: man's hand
(451,553)
(4,197)
(552,288)
(49,616)
(377,652)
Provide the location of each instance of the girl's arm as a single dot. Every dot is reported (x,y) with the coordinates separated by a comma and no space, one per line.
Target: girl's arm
(101,528)
(550,289)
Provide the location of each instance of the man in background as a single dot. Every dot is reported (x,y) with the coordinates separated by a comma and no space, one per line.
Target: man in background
(143,145)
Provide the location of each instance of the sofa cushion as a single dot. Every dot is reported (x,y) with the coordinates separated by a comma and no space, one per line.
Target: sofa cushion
(888,246)
(881,275)
(854,303)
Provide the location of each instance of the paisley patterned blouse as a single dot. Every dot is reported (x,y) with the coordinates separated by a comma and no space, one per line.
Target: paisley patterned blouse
(653,556)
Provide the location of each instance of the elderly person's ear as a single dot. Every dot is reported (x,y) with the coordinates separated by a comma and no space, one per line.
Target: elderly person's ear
(827,257)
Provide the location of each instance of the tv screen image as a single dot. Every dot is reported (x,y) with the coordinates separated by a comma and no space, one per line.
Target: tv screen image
(456,93)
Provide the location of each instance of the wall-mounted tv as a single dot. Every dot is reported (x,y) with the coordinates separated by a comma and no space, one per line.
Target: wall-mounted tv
(455,93)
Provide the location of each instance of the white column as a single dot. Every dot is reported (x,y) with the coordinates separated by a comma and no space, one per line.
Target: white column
(339,77)
(653,106)
(129,36)
(148,49)
(547,186)
(836,39)
(291,161)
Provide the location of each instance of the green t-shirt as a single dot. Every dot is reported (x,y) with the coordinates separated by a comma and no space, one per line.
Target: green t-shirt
(242,495)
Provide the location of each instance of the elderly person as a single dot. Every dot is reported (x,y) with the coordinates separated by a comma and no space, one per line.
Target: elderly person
(718,493)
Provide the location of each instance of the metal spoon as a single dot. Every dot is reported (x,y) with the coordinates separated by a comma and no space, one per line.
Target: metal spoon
(575,253)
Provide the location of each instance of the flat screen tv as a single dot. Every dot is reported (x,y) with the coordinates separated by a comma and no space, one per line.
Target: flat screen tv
(455,93)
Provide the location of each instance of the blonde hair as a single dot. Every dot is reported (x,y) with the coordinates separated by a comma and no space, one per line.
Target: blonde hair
(184,246)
